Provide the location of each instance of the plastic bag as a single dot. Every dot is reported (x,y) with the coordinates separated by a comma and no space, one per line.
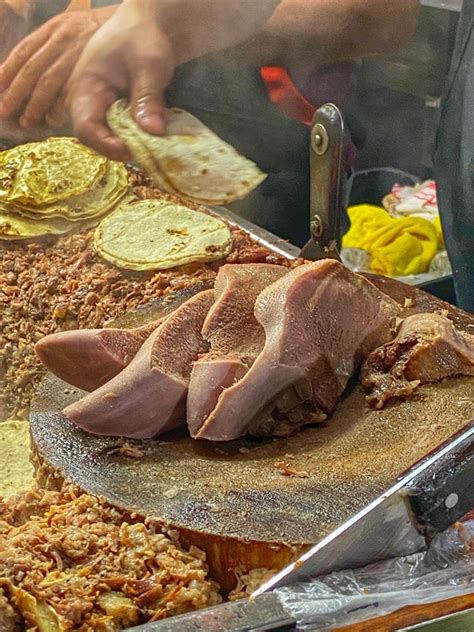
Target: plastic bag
(446,570)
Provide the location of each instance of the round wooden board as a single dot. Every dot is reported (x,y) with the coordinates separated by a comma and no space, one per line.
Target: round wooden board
(213,492)
(231,499)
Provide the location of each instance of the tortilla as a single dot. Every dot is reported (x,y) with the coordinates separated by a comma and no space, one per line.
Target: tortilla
(18,227)
(190,160)
(158,234)
(109,190)
(49,171)
(16,473)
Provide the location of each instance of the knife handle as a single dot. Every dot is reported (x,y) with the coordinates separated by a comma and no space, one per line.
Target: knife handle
(445,493)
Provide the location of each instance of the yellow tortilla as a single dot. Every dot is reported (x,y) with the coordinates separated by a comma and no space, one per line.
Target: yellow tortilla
(189,160)
(158,234)
(16,472)
(48,171)
(109,190)
(18,227)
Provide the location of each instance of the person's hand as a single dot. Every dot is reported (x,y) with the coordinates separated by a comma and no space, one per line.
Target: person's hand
(135,53)
(14,25)
(129,56)
(34,76)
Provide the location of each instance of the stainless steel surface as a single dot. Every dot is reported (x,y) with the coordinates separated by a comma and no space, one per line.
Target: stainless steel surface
(264,613)
(327,183)
(260,235)
(449,5)
(457,622)
(384,529)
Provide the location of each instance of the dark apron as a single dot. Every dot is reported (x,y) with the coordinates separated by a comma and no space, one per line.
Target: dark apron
(454,160)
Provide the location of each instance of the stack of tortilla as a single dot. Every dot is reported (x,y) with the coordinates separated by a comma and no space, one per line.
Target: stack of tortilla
(189,160)
(53,186)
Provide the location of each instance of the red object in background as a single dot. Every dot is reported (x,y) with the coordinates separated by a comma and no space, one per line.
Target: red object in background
(285,95)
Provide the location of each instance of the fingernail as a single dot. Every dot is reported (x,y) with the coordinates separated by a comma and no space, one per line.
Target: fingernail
(153,123)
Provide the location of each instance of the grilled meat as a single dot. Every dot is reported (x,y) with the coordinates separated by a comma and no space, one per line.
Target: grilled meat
(427,348)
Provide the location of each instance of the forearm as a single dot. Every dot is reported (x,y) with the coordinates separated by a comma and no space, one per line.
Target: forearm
(323,31)
(198,27)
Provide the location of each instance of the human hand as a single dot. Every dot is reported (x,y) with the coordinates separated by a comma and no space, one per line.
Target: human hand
(13,25)
(135,53)
(131,56)
(34,76)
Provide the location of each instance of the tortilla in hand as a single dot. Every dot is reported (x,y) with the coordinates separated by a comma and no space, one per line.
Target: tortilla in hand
(189,160)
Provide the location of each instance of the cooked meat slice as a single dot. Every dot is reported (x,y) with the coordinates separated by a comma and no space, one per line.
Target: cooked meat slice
(234,335)
(88,358)
(149,396)
(427,349)
(320,322)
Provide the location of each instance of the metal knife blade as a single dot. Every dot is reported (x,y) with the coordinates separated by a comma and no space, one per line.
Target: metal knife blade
(395,524)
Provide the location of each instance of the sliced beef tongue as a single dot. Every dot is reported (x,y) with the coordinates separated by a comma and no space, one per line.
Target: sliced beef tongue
(426,349)
(320,322)
(89,358)
(234,335)
(149,396)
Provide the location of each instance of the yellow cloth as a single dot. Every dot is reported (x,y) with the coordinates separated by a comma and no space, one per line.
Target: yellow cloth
(398,246)
(439,232)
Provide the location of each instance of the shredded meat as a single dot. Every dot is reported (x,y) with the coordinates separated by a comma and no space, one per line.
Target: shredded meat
(248,583)
(9,617)
(86,563)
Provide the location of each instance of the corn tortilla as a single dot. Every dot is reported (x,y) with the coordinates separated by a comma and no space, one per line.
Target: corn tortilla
(158,234)
(18,227)
(109,190)
(16,473)
(189,160)
(48,171)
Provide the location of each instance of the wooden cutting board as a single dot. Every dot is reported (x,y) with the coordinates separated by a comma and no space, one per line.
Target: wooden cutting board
(232,500)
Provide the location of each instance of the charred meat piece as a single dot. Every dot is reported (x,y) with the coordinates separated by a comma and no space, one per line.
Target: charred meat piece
(234,334)
(89,358)
(427,349)
(149,396)
(320,322)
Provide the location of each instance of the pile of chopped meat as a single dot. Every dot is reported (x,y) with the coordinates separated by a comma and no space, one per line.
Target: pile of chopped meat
(266,351)
(71,561)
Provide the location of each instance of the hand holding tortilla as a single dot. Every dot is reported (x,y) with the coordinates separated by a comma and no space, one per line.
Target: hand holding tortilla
(135,53)
(189,160)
